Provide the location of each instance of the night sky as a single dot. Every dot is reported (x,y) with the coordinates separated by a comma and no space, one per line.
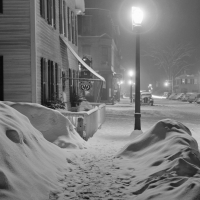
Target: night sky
(166,23)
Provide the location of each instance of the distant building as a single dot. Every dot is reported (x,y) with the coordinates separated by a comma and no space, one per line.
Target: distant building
(35,57)
(98,39)
(187,83)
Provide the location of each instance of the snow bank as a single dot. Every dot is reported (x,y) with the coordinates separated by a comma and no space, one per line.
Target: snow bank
(30,166)
(166,163)
(54,126)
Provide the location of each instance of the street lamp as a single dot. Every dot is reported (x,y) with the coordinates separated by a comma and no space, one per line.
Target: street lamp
(137,18)
(130,73)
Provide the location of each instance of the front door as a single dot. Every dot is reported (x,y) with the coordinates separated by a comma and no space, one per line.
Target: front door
(1,79)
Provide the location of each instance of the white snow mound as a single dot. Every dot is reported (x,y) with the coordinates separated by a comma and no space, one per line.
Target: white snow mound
(30,166)
(166,163)
(54,126)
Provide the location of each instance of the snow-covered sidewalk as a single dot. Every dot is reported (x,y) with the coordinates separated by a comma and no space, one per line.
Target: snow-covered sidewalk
(162,163)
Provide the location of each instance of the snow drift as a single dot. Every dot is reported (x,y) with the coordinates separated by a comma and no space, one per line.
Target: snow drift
(166,163)
(54,126)
(30,166)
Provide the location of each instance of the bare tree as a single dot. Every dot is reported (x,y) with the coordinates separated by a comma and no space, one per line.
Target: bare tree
(173,59)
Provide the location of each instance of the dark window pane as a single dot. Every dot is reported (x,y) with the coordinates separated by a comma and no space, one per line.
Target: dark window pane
(1,6)
(1,79)
(54,14)
(61,16)
(65,21)
(69,23)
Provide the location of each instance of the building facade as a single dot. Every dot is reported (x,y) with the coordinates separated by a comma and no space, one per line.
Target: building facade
(35,59)
(187,83)
(98,40)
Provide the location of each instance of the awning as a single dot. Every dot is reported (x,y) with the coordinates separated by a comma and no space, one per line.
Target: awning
(80,60)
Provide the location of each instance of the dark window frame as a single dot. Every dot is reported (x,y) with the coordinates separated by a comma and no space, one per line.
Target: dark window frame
(48,11)
(72,27)
(1,79)
(69,23)
(1,6)
(61,16)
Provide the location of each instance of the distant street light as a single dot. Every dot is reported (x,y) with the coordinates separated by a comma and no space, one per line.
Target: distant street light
(167,84)
(137,18)
(150,87)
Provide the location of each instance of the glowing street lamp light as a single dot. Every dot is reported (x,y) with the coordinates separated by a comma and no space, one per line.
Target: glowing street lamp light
(166,84)
(131,73)
(137,18)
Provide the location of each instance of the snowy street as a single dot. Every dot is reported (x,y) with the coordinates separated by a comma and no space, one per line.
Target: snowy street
(96,175)
(162,163)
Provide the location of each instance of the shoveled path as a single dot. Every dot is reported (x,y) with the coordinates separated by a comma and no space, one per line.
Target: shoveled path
(95,174)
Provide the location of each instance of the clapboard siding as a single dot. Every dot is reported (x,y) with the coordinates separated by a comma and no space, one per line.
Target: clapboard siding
(15,48)
(50,46)
(23,42)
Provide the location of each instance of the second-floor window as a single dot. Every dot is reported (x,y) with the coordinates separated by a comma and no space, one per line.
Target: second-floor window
(48,11)
(1,6)
(104,53)
(69,23)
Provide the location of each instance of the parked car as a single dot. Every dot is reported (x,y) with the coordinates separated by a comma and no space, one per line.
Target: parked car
(172,96)
(192,97)
(197,100)
(146,98)
(178,96)
(185,97)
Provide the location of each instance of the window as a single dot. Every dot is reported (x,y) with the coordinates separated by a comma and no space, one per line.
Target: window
(195,81)
(50,79)
(61,16)
(183,81)
(188,80)
(192,81)
(1,6)
(48,11)
(42,8)
(1,79)
(104,54)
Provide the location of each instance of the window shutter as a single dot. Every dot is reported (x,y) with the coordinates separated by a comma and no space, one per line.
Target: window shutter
(43,81)
(60,16)
(72,26)
(65,22)
(76,33)
(69,23)
(57,80)
(41,8)
(54,14)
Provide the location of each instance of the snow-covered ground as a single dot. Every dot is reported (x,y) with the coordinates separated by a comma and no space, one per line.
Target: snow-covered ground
(42,157)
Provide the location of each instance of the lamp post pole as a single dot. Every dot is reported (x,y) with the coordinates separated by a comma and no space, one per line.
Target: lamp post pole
(137,81)
(137,17)
(131,93)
